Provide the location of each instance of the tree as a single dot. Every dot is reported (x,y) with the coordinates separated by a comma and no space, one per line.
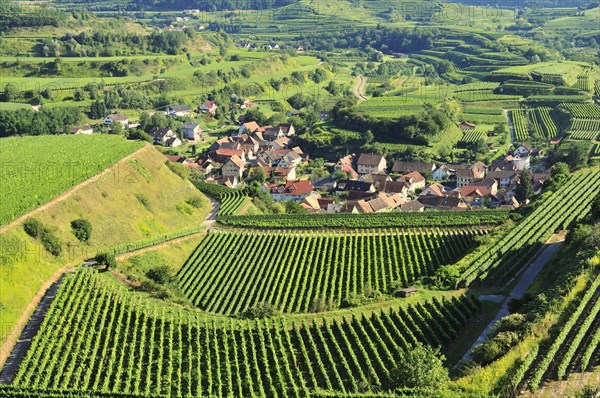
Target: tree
(98,109)
(421,367)
(107,259)
(524,189)
(292,207)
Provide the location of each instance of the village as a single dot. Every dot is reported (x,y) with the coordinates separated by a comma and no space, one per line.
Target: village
(355,183)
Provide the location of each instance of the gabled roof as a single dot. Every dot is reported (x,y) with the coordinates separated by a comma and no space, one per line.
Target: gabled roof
(160,132)
(251,126)
(351,185)
(435,189)
(376,178)
(413,177)
(475,190)
(411,206)
(180,108)
(405,167)
(209,104)
(392,186)
(501,174)
(367,159)
(117,117)
(190,125)
(301,187)
(237,161)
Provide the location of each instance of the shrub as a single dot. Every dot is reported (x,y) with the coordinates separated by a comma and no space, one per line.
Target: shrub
(33,227)
(261,310)
(82,229)
(144,200)
(51,242)
(195,201)
(160,274)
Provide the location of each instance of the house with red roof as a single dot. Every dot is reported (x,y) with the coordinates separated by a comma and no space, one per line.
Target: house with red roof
(291,190)
(209,107)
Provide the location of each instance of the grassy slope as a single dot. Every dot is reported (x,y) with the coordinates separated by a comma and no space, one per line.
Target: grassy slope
(116,214)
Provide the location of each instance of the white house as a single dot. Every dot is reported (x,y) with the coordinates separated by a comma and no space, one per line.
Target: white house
(84,129)
(442,173)
(370,163)
(116,117)
(234,167)
(192,131)
(209,107)
(178,111)
(165,136)
(523,150)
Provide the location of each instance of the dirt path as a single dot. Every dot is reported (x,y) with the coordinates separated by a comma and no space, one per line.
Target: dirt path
(20,326)
(130,254)
(359,88)
(70,192)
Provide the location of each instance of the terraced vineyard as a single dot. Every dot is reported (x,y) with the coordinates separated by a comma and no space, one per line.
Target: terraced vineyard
(232,200)
(544,125)
(143,349)
(390,107)
(503,258)
(596,150)
(587,129)
(582,111)
(367,220)
(230,272)
(472,135)
(576,347)
(519,120)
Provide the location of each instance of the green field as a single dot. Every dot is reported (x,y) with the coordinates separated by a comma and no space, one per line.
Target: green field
(185,354)
(27,185)
(330,268)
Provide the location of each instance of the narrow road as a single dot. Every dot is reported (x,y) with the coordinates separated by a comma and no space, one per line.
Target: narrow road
(517,292)
(212,216)
(511,128)
(359,88)
(31,328)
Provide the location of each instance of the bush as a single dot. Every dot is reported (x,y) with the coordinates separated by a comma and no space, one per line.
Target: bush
(195,201)
(420,367)
(107,259)
(160,274)
(82,229)
(51,242)
(261,310)
(143,199)
(33,227)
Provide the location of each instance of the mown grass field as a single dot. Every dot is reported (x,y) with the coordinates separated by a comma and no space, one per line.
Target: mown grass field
(134,200)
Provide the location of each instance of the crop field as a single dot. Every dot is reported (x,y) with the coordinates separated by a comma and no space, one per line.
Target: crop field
(473,135)
(508,254)
(231,272)
(390,107)
(519,120)
(141,348)
(483,95)
(584,128)
(543,124)
(25,186)
(480,218)
(583,111)
(576,347)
